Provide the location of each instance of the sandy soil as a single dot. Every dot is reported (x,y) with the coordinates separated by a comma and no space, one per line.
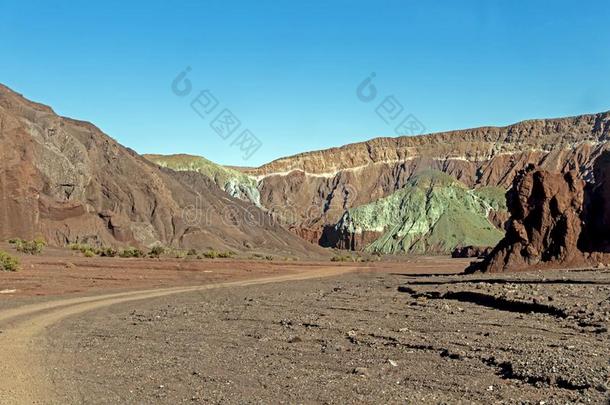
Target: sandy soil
(374,333)
(61,272)
(60,284)
(372,338)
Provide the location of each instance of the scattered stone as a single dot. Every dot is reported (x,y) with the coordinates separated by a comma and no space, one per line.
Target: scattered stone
(361,371)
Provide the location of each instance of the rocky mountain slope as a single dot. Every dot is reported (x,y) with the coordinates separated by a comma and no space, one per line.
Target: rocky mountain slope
(317,188)
(432,213)
(323,195)
(69,182)
(233,182)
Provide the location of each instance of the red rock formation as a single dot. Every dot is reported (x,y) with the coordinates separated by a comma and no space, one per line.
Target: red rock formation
(556,221)
(69,182)
(545,223)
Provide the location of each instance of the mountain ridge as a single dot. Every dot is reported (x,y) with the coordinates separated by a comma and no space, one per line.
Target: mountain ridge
(67,181)
(310,192)
(480,134)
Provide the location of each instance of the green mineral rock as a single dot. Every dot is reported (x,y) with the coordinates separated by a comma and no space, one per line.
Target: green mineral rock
(235,183)
(432,213)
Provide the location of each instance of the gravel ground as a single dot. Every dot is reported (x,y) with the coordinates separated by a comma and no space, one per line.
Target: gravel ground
(371,337)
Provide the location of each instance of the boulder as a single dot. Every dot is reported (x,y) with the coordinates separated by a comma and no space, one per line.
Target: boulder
(471,251)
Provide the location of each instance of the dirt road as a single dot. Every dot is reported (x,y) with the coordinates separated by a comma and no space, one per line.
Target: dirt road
(22,370)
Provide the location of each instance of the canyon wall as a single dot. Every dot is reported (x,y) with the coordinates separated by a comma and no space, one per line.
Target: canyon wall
(312,192)
(330,197)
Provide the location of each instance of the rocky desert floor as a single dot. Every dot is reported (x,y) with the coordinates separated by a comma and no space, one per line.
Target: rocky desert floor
(403,332)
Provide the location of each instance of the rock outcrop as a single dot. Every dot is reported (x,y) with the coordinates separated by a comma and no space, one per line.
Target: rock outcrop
(545,223)
(69,182)
(556,221)
(433,213)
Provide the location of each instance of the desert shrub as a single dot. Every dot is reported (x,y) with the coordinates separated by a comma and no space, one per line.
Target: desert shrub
(342,258)
(210,254)
(90,251)
(80,247)
(363,259)
(106,252)
(226,255)
(178,254)
(214,254)
(192,252)
(30,247)
(131,252)
(40,241)
(259,256)
(14,241)
(8,262)
(156,251)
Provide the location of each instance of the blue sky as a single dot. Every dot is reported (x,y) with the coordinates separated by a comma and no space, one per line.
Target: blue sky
(289,70)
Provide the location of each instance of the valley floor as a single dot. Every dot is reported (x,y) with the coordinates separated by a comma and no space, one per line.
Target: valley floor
(381,333)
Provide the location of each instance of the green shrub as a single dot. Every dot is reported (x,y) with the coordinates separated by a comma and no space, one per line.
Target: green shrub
(90,251)
(106,252)
(131,252)
(213,254)
(30,247)
(210,254)
(80,247)
(192,252)
(226,255)
(8,262)
(178,254)
(156,251)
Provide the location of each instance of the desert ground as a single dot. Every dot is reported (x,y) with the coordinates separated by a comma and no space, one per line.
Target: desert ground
(110,330)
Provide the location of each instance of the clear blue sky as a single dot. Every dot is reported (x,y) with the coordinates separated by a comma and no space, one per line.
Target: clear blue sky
(289,69)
